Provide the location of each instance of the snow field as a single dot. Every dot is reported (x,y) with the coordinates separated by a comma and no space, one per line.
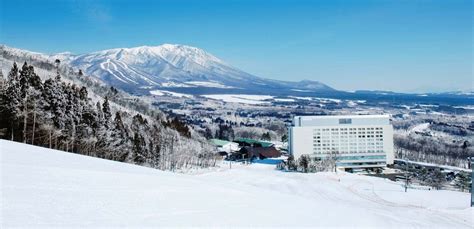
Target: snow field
(241,98)
(48,188)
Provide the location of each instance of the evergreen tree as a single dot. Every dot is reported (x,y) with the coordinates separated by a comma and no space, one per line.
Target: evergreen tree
(303,163)
(225,132)
(207,133)
(11,104)
(106,112)
(463,181)
(57,62)
(24,80)
(118,124)
(55,101)
(120,140)
(138,148)
(266,136)
(33,79)
(437,179)
(291,163)
(179,126)
(83,94)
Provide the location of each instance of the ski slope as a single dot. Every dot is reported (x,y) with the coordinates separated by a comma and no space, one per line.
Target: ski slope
(48,188)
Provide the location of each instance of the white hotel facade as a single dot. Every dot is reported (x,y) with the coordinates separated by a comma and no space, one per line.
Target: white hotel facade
(360,141)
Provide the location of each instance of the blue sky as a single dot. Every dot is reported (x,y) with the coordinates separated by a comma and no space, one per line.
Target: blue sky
(404,45)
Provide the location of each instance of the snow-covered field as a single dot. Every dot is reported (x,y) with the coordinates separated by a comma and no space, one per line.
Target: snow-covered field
(169,93)
(420,128)
(47,188)
(208,84)
(241,98)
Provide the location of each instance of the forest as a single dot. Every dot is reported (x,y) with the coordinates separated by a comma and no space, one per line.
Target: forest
(62,115)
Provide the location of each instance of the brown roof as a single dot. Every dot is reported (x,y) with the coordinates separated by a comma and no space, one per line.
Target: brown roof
(264,152)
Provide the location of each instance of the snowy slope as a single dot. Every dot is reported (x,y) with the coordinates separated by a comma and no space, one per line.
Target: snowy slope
(48,188)
(157,66)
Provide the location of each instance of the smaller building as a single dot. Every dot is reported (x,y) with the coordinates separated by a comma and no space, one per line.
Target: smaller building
(252,142)
(225,146)
(248,152)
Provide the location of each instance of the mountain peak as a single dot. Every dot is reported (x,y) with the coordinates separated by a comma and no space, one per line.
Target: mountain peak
(180,56)
(146,67)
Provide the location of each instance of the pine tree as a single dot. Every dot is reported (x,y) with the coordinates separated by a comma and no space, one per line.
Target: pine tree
(225,132)
(24,81)
(266,136)
(100,115)
(3,101)
(437,179)
(207,133)
(86,130)
(83,94)
(463,181)
(291,163)
(55,101)
(120,139)
(138,149)
(11,104)
(34,79)
(57,62)
(118,123)
(303,163)
(106,112)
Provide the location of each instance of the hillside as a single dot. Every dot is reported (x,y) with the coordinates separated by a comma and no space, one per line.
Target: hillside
(49,188)
(47,103)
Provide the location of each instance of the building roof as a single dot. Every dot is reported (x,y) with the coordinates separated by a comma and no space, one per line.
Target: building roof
(330,120)
(253,142)
(218,142)
(264,152)
(343,116)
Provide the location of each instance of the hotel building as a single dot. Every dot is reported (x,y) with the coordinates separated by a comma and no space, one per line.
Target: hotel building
(360,141)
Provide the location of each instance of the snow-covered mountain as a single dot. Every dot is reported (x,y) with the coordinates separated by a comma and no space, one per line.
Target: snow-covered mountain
(173,66)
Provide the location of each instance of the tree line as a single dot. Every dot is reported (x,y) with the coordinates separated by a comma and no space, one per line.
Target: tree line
(432,150)
(308,164)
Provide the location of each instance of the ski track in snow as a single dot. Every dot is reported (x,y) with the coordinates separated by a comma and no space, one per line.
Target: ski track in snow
(123,78)
(48,188)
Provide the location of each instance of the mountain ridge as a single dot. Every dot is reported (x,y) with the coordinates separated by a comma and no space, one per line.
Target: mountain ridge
(141,68)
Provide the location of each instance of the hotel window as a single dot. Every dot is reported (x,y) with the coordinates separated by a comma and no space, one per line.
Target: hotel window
(345,121)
